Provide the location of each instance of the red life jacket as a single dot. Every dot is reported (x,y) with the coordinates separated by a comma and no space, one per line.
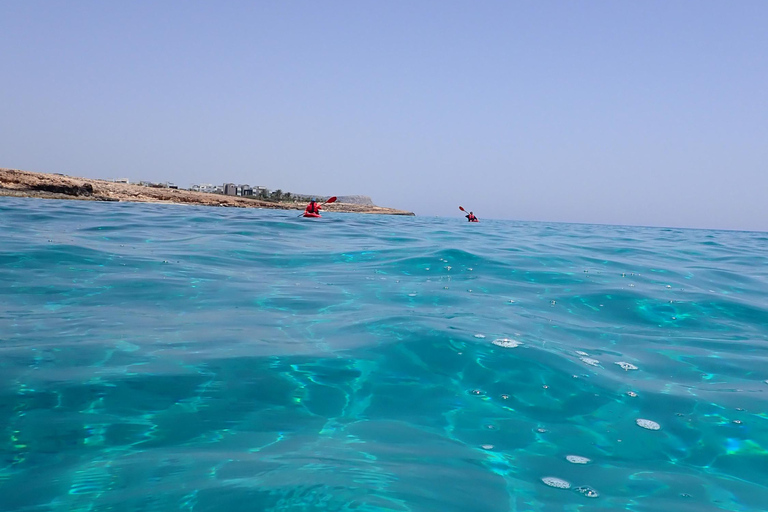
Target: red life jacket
(312,208)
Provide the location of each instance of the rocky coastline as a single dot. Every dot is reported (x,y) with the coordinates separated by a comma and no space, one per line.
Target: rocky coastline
(14,182)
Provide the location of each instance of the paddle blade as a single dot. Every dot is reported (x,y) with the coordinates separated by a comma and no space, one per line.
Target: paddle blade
(462,208)
(331,200)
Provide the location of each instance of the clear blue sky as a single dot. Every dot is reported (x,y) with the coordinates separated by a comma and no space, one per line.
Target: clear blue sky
(651,112)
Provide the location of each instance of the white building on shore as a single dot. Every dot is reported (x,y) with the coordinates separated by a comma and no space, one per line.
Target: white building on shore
(207,187)
(229,189)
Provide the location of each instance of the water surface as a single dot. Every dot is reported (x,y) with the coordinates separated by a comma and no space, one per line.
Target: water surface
(158,357)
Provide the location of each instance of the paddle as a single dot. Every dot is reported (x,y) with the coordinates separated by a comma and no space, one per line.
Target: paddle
(332,200)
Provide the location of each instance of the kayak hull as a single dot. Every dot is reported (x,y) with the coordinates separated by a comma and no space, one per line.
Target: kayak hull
(312,215)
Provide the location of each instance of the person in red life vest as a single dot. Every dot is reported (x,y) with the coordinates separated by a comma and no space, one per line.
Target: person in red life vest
(471,217)
(313,208)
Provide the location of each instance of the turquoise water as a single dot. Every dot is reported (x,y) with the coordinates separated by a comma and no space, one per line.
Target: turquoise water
(157,357)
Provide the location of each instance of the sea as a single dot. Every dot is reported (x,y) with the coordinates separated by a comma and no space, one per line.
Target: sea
(181,358)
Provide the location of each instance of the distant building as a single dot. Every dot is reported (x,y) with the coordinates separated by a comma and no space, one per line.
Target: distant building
(243,190)
(207,188)
(230,189)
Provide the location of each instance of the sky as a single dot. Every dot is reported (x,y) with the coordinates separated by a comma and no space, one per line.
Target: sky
(647,113)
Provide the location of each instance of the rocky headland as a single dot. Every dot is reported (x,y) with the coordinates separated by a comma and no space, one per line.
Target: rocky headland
(18,183)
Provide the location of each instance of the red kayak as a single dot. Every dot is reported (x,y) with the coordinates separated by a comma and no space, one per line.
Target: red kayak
(312,215)
(474,220)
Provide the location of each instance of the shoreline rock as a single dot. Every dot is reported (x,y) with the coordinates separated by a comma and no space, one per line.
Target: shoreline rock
(17,183)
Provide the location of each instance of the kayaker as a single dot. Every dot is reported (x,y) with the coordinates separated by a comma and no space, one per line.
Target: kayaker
(313,208)
(471,217)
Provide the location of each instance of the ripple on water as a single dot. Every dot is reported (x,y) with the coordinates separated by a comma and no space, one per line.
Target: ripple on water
(587,491)
(558,483)
(626,366)
(506,343)
(648,424)
(590,361)
(577,459)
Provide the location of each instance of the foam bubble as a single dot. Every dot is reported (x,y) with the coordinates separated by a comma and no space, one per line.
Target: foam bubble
(577,459)
(506,343)
(632,394)
(626,366)
(480,336)
(590,361)
(558,483)
(587,491)
(650,425)
(580,353)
